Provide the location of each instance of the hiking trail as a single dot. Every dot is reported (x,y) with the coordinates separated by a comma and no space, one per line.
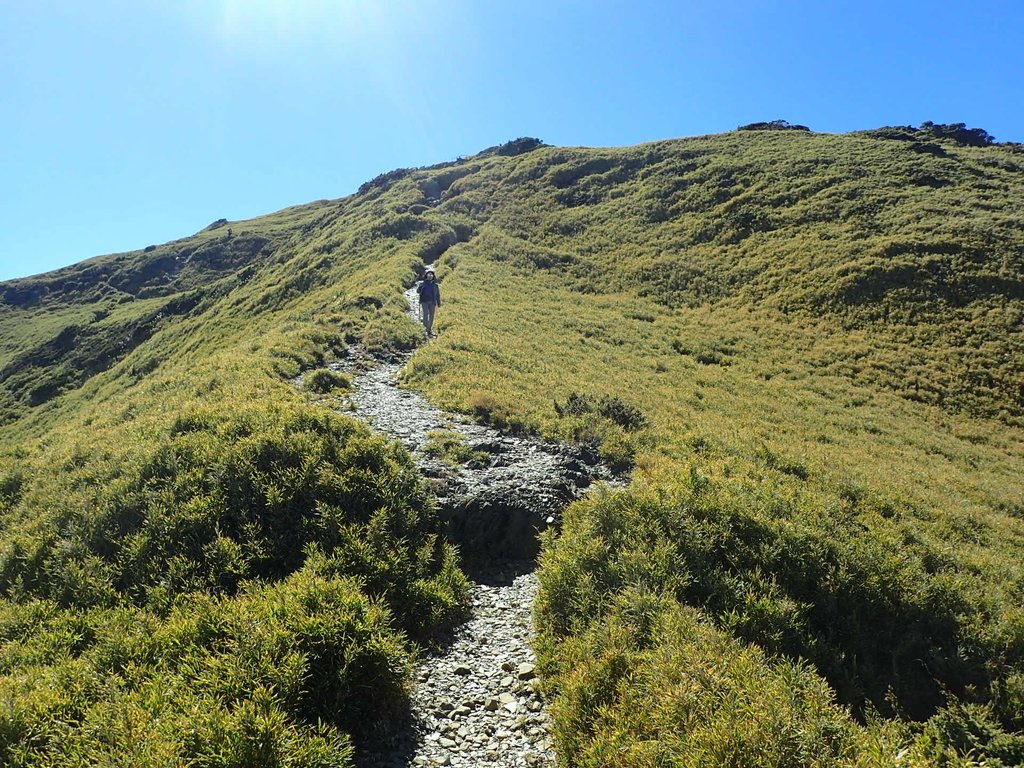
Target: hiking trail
(476,702)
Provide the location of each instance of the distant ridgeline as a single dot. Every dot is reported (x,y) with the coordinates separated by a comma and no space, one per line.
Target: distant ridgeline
(958,133)
(807,348)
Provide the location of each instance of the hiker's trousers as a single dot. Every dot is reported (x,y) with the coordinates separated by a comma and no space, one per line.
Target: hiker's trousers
(427,312)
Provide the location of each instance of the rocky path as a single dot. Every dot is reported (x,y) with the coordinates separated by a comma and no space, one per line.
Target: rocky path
(494,506)
(475,703)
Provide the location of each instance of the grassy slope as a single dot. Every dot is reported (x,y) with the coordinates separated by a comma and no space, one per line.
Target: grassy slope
(823,334)
(836,388)
(199,560)
(837,385)
(827,329)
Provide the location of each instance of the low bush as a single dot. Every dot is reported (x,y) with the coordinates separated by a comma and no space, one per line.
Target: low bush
(614,426)
(245,590)
(650,683)
(712,353)
(610,407)
(859,605)
(220,501)
(450,447)
(278,675)
(324,380)
(498,413)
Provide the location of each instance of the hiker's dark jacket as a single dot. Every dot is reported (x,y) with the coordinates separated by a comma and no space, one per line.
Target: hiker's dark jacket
(430,292)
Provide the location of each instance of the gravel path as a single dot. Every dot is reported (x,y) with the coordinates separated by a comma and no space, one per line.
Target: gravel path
(478,701)
(474,703)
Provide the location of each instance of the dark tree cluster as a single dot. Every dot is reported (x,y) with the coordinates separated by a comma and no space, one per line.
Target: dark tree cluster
(959,133)
(773,125)
(519,146)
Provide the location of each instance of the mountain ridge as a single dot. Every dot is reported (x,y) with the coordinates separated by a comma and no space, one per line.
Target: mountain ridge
(805,347)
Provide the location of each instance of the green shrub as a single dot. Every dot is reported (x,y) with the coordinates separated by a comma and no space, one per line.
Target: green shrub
(972,729)
(324,380)
(12,480)
(650,683)
(499,413)
(641,679)
(712,353)
(450,447)
(258,580)
(854,603)
(278,675)
(610,407)
(608,422)
(209,507)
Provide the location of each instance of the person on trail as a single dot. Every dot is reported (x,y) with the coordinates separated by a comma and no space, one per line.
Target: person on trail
(430,299)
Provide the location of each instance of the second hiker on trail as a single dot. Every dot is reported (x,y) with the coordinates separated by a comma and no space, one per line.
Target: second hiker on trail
(430,299)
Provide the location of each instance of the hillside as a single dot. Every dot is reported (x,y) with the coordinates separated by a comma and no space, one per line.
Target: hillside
(807,349)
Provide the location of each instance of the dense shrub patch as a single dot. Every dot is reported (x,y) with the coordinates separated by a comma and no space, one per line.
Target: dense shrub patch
(324,380)
(860,606)
(652,684)
(247,591)
(450,447)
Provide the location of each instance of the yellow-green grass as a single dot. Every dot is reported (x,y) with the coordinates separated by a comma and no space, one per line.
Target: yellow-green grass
(200,563)
(546,342)
(849,370)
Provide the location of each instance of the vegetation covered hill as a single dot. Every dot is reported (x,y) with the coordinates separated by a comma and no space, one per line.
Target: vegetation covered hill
(807,347)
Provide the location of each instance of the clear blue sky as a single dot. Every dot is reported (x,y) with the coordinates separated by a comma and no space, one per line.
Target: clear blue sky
(130,122)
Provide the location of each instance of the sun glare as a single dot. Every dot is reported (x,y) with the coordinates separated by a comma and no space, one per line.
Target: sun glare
(295,22)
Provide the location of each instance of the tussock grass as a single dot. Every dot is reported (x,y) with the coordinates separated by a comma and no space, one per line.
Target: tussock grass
(324,380)
(450,447)
(833,341)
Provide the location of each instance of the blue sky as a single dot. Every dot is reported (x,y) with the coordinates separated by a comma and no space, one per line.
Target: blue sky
(130,122)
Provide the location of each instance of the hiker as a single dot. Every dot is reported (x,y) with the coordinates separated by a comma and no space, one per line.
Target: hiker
(430,299)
